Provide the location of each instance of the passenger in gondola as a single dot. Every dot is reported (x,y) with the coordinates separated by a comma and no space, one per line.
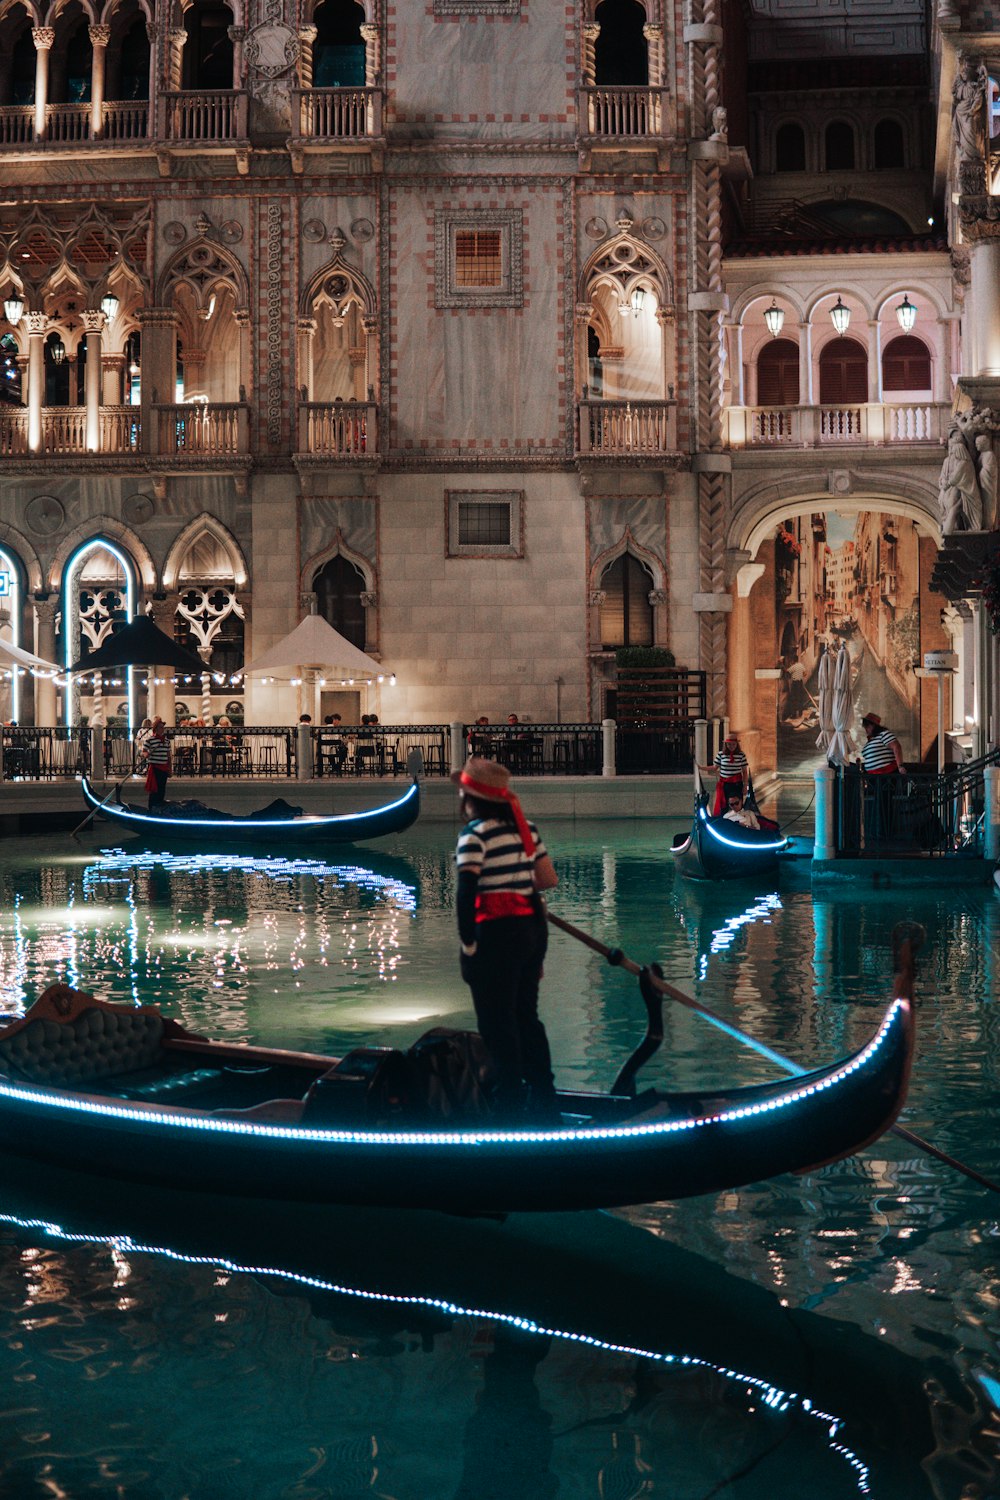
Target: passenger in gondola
(738,812)
(503,866)
(734,774)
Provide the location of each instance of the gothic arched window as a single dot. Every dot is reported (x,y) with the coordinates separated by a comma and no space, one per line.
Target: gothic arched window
(338,586)
(626,614)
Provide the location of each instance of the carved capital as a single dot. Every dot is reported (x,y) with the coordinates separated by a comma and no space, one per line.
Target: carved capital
(236,33)
(658,596)
(43,37)
(308,34)
(980,217)
(369,32)
(369,601)
(177,37)
(38,323)
(597,597)
(591,31)
(93,322)
(306,325)
(100,36)
(46,611)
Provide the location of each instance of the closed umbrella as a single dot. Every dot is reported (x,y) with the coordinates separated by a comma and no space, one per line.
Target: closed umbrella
(825,704)
(140,643)
(841,744)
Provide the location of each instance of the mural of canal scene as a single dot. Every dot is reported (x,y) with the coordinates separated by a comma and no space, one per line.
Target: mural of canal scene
(854,581)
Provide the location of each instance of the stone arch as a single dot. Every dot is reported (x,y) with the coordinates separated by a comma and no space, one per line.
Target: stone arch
(93,530)
(622,263)
(337,548)
(323,288)
(627,543)
(758,512)
(203,525)
(16,542)
(202,266)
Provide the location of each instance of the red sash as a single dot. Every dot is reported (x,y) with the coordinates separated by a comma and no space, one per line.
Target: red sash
(494,904)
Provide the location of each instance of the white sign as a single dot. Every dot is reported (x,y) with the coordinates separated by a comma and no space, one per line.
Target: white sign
(940,661)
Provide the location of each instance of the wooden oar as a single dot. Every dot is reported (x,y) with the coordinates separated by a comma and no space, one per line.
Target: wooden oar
(904,944)
(116,788)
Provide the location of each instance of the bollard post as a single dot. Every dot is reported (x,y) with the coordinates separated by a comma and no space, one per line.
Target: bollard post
(457,746)
(700,750)
(304,753)
(97,772)
(608,747)
(824,846)
(991,813)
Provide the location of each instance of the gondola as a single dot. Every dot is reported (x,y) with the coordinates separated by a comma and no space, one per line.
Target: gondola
(718,849)
(279,825)
(128,1093)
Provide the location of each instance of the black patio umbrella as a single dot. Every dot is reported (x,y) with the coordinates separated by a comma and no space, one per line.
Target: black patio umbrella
(140,643)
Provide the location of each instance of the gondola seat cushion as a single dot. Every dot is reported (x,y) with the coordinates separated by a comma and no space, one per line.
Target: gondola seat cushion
(94,1044)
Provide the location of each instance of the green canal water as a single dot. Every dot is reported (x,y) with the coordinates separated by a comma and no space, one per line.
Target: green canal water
(829,1335)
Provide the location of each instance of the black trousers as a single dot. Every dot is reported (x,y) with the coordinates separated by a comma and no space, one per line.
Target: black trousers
(157,798)
(504,976)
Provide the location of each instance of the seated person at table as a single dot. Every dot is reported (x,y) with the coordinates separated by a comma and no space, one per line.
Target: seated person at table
(332,747)
(737,812)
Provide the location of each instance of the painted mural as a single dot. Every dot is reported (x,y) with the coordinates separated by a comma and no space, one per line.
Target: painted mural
(853,580)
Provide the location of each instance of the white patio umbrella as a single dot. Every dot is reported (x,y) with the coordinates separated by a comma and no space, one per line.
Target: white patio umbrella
(841,744)
(315,647)
(825,704)
(16,656)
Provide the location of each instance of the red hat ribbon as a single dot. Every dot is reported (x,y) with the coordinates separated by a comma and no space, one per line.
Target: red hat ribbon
(497,794)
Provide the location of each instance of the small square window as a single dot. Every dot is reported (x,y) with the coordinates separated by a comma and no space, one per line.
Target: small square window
(477,258)
(484,523)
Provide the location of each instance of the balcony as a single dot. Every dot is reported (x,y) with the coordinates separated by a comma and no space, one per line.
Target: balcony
(69,125)
(345,120)
(203,122)
(865,424)
(201,431)
(617,120)
(338,430)
(63,430)
(636,429)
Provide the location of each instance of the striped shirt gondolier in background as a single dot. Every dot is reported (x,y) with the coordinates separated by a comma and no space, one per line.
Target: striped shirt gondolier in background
(878,754)
(734,775)
(502,866)
(157,753)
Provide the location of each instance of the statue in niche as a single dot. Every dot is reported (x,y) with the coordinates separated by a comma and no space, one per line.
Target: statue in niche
(720,124)
(968,109)
(960,499)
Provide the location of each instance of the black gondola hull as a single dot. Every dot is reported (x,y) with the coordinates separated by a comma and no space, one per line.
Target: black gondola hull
(717,849)
(655,1148)
(218,830)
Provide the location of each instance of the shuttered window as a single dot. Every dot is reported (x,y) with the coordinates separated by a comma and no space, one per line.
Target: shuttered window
(906,365)
(778,374)
(626,614)
(843,373)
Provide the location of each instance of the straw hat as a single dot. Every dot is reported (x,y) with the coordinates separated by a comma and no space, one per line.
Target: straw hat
(872,719)
(492,780)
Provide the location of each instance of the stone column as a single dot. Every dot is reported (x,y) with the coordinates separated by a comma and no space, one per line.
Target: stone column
(874,372)
(112,378)
(237,35)
(93,323)
(370,35)
(45,647)
(159,360)
(44,39)
(152,35)
(176,39)
(306,330)
(164,693)
(307,36)
(805,365)
(653,32)
(100,36)
(38,325)
(588,61)
(371,329)
(985,310)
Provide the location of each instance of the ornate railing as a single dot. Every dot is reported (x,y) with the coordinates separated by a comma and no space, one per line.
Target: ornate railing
(622,112)
(202,429)
(338,429)
(71,124)
(625,427)
(195,115)
(64,430)
(338,114)
(874,423)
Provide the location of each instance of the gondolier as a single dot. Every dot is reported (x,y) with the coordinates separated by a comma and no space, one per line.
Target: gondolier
(502,867)
(881,757)
(157,753)
(734,775)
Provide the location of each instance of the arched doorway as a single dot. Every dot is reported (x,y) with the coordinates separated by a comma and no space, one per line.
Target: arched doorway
(11,604)
(621,53)
(98,596)
(338,587)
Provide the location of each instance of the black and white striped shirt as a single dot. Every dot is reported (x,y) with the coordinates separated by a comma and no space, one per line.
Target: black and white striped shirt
(493,849)
(731,765)
(878,753)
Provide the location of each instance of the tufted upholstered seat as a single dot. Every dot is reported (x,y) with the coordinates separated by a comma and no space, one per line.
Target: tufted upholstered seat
(97,1043)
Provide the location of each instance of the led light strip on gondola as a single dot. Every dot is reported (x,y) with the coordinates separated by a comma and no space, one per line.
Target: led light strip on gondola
(773,1397)
(312,820)
(304,1135)
(756,847)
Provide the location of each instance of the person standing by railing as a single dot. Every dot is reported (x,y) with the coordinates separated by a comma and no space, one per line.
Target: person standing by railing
(882,759)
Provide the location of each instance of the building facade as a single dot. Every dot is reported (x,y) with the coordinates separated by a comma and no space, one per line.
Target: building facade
(456,322)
